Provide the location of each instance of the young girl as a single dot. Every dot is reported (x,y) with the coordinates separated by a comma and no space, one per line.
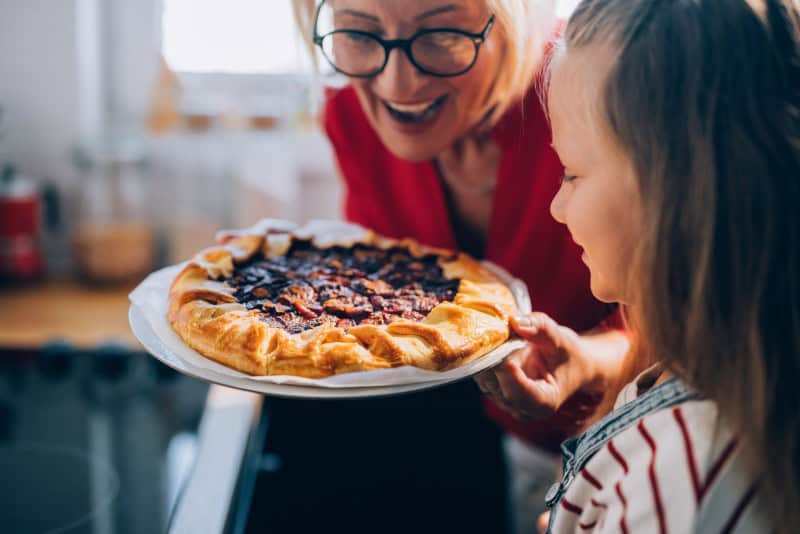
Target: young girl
(678,123)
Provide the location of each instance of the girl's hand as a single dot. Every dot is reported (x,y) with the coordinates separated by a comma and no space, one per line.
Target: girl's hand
(534,382)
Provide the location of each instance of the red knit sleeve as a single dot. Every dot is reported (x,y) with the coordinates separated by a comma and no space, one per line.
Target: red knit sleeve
(354,210)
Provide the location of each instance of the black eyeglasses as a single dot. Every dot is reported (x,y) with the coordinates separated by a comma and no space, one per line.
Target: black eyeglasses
(441,52)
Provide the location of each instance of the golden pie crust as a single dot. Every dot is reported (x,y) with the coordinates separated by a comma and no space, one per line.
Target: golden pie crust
(205,313)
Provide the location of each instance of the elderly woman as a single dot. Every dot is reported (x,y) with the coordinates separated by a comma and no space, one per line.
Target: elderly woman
(440,136)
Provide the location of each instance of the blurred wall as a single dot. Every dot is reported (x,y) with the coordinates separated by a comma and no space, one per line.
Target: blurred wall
(50,81)
(131,58)
(75,71)
(70,71)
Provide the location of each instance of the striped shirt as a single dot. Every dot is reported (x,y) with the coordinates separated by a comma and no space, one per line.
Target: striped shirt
(677,470)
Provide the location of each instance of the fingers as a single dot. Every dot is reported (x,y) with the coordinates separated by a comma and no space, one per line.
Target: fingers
(533,382)
(527,397)
(541,330)
(524,384)
(533,324)
(488,384)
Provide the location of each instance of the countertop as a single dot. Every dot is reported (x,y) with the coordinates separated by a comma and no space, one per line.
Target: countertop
(85,317)
(124,425)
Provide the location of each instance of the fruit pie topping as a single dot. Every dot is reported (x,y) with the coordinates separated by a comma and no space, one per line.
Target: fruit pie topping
(345,287)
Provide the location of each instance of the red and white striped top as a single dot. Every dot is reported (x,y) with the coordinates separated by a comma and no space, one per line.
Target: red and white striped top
(677,470)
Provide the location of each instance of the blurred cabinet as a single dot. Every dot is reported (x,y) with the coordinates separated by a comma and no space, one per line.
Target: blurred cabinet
(214,179)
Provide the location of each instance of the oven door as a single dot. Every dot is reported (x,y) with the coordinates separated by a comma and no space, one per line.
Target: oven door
(217,495)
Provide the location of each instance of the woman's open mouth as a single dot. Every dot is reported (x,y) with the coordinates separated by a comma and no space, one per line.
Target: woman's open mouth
(418,113)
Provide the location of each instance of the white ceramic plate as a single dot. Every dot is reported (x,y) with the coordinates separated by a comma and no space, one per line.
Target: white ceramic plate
(149,323)
(150,341)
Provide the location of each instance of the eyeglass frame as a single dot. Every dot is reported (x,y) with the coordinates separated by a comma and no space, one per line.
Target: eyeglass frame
(405,45)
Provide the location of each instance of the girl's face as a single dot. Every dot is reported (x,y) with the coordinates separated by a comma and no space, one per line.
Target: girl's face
(418,116)
(598,199)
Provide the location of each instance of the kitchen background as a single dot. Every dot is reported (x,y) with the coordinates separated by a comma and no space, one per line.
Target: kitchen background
(130,132)
(146,122)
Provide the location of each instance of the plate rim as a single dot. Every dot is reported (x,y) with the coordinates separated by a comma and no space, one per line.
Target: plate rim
(144,333)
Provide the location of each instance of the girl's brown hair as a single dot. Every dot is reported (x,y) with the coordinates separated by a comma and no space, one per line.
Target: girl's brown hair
(704,95)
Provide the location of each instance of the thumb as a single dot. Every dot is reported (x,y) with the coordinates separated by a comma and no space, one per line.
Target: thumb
(539,329)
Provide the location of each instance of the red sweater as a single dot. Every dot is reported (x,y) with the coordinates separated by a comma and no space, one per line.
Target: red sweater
(398,198)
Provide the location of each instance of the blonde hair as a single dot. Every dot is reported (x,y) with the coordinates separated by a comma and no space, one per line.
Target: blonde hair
(524,26)
(704,96)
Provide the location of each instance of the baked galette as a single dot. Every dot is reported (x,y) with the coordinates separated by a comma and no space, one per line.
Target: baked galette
(329,298)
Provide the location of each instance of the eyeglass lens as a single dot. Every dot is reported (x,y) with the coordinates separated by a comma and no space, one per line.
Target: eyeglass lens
(440,52)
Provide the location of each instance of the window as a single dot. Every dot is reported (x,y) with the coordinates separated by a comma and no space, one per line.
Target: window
(232,36)
(241,36)
(245,58)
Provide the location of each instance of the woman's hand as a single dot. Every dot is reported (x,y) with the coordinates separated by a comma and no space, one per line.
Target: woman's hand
(557,363)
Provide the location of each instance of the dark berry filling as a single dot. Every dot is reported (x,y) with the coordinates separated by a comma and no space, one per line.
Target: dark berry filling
(309,287)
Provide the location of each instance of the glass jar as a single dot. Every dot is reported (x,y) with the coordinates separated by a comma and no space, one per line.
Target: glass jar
(114,239)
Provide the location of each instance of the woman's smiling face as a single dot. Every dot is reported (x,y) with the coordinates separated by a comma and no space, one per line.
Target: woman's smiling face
(598,199)
(418,116)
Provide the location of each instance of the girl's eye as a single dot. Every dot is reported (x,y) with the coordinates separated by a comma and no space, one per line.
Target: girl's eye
(568,178)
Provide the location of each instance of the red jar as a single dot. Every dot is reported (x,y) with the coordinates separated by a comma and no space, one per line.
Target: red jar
(20,229)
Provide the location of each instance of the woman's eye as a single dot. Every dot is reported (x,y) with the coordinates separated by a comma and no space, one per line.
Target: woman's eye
(568,178)
(357,38)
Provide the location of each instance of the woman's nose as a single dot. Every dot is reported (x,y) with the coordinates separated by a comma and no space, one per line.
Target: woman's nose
(400,78)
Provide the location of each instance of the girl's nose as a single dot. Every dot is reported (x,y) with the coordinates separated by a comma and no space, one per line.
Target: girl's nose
(557,205)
